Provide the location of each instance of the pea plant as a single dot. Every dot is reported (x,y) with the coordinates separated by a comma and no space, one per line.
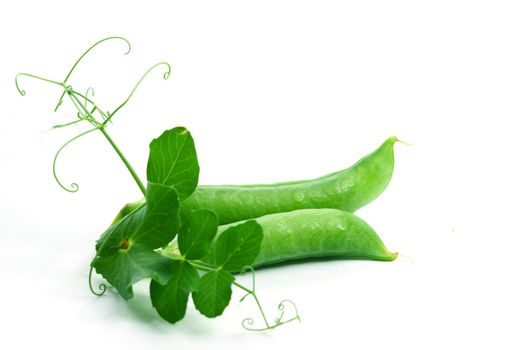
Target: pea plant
(131,249)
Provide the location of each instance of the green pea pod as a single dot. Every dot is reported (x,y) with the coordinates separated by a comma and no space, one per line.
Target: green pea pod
(313,233)
(348,189)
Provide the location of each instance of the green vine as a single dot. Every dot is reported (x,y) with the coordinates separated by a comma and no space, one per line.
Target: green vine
(121,250)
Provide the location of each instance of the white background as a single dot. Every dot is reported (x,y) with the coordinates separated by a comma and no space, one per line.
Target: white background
(275,90)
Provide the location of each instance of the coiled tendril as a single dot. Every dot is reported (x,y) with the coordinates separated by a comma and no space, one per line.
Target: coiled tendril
(23,92)
(166,76)
(59,103)
(74,186)
(101,287)
(89,89)
(248,322)
(86,113)
(91,48)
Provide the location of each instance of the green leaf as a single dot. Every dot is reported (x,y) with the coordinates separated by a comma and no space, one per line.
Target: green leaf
(214,293)
(196,234)
(126,267)
(161,219)
(170,300)
(238,246)
(153,224)
(173,161)
(125,251)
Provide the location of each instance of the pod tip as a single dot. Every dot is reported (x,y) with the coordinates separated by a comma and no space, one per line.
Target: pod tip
(395,139)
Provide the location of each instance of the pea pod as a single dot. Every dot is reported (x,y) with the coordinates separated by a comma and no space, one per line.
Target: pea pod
(348,189)
(314,233)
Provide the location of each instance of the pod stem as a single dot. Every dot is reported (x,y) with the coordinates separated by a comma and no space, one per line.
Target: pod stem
(406,258)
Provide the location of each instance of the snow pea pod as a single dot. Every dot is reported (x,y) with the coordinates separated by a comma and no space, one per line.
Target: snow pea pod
(348,189)
(312,233)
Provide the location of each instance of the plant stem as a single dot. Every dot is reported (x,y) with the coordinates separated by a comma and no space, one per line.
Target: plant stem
(110,140)
(125,161)
(201,267)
